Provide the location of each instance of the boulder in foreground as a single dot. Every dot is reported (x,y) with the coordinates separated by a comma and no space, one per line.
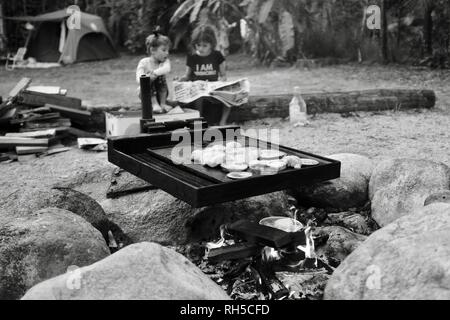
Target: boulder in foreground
(144,271)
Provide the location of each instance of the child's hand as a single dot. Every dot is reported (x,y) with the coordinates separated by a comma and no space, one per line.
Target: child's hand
(152,76)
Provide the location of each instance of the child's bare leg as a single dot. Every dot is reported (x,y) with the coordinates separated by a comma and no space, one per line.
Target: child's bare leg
(155,104)
(225,114)
(162,94)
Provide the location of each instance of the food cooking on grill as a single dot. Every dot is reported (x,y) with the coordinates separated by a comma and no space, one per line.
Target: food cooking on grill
(233,145)
(271,154)
(242,155)
(208,157)
(213,160)
(309,162)
(266,167)
(233,157)
(216,147)
(197,156)
(239,175)
(293,162)
(234,167)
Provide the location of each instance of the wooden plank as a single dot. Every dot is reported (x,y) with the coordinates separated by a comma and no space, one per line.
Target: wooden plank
(259,234)
(35,134)
(7,114)
(22,142)
(30,150)
(45,89)
(41,99)
(4,157)
(234,252)
(21,85)
(84,134)
(25,158)
(9,103)
(36,110)
(69,111)
(38,118)
(58,130)
(50,124)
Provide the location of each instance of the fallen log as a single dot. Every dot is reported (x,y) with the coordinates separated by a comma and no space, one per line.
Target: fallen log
(277,106)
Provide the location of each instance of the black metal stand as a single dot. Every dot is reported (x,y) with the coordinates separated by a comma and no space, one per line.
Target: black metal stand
(146,102)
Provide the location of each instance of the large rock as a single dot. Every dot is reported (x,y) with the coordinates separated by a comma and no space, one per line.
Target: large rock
(398,187)
(156,216)
(29,201)
(341,242)
(408,259)
(144,271)
(37,247)
(93,183)
(349,191)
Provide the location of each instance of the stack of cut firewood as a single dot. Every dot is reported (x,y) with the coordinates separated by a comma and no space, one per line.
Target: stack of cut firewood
(34,120)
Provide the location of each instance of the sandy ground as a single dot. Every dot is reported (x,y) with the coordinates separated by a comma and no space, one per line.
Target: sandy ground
(421,134)
(417,135)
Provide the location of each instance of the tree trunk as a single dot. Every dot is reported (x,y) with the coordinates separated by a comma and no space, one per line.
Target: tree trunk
(428,31)
(2,29)
(384,32)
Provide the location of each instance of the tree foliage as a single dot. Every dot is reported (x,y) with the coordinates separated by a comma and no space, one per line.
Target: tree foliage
(413,30)
(215,13)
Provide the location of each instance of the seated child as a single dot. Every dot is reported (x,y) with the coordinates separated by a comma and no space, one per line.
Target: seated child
(156,66)
(207,64)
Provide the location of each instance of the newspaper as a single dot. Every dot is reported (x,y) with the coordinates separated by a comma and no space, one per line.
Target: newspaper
(230,93)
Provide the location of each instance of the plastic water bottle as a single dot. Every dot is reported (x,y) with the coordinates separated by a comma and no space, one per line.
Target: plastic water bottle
(298,112)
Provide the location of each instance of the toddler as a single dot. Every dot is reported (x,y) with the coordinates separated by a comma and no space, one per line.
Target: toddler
(156,66)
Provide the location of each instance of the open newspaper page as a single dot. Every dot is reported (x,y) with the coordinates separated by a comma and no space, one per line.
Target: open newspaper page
(230,93)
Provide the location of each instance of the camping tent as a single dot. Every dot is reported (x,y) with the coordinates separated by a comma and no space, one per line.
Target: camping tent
(52,41)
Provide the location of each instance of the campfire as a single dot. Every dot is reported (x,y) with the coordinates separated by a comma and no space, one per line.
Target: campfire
(259,251)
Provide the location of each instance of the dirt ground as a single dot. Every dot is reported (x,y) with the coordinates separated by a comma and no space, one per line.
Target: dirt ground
(413,134)
(113,82)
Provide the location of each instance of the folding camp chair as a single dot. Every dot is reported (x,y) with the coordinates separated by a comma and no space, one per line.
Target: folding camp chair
(13,60)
